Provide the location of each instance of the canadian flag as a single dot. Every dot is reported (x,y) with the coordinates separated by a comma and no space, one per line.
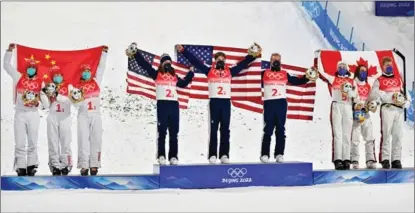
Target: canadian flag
(327,61)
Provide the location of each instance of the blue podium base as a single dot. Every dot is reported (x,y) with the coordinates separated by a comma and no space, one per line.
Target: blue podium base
(372,176)
(119,182)
(203,176)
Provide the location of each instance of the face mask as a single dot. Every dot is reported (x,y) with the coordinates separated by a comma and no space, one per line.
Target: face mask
(342,71)
(167,67)
(276,65)
(389,70)
(362,76)
(31,71)
(57,79)
(86,75)
(220,65)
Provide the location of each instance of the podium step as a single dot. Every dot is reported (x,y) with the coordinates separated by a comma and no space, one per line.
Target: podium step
(200,176)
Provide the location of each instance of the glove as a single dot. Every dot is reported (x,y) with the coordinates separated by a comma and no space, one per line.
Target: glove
(359,106)
(255,50)
(372,106)
(316,53)
(398,99)
(352,93)
(407,104)
(312,74)
(131,50)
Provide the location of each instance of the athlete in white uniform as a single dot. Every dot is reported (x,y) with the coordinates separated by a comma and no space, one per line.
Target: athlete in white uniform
(86,97)
(27,96)
(343,94)
(362,126)
(388,89)
(59,123)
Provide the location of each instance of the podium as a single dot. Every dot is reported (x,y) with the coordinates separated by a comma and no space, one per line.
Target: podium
(201,176)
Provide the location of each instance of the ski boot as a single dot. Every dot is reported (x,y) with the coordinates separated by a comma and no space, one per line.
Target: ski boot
(346,165)
(65,171)
(338,165)
(396,164)
(386,164)
(84,172)
(370,164)
(21,172)
(31,170)
(355,164)
(56,171)
(94,171)
(224,159)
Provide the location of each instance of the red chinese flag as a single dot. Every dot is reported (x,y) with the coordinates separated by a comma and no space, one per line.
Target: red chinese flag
(69,61)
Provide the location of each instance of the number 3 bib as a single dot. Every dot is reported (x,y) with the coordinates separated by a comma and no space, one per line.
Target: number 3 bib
(275,84)
(219,83)
(166,87)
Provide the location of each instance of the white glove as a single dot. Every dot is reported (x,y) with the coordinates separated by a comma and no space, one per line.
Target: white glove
(407,104)
(352,93)
(372,106)
(316,53)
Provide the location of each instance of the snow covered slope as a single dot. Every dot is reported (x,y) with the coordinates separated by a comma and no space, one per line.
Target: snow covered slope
(381,32)
(331,198)
(129,121)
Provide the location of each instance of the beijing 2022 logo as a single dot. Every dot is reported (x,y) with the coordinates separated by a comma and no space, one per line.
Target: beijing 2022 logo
(237,175)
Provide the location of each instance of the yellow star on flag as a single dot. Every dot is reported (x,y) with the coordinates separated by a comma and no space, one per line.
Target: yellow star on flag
(53,62)
(47,57)
(32,58)
(45,76)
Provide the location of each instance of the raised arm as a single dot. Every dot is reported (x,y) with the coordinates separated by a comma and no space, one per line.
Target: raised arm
(297,80)
(193,60)
(186,81)
(8,66)
(101,65)
(376,94)
(242,65)
(145,65)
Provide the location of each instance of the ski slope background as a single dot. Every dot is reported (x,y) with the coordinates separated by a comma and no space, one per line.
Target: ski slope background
(129,122)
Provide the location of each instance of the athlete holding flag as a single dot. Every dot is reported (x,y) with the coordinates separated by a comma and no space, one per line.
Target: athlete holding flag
(388,89)
(85,95)
(275,81)
(168,113)
(219,77)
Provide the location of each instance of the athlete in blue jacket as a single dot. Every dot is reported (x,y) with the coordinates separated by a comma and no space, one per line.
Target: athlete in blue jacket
(274,82)
(219,85)
(168,113)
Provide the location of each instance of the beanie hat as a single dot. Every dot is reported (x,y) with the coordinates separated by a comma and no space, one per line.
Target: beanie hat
(164,57)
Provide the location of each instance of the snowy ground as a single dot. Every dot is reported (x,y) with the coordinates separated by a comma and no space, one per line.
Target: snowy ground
(323,198)
(130,123)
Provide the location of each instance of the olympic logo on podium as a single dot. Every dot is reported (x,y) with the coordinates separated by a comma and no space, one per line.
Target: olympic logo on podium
(237,172)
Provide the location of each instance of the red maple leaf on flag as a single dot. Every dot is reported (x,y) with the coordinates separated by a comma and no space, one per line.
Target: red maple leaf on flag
(371,71)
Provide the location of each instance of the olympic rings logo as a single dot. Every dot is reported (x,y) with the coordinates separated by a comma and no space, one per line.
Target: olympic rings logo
(168,77)
(237,172)
(219,73)
(63,91)
(88,87)
(390,82)
(30,85)
(275,76)
(341,81)
(363,90)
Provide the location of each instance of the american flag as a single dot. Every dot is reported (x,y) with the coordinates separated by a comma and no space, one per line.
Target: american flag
(140,83)
(246,88)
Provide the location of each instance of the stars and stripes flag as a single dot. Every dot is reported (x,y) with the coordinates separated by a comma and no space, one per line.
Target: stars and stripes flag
(246,88)
(140,83)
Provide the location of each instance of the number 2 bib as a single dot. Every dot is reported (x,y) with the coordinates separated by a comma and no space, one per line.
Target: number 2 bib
(219,82)
(275,84)
(166,87)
